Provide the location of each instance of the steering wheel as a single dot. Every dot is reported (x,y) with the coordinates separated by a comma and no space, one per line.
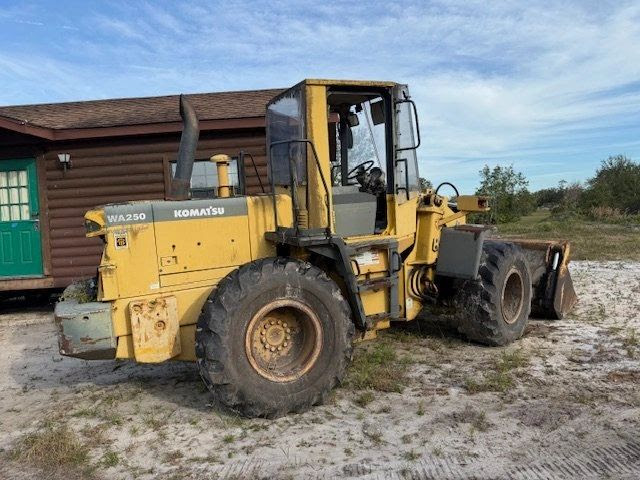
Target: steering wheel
(353,173)
(449,184)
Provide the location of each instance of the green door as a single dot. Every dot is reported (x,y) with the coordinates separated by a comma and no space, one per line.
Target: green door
(20,250)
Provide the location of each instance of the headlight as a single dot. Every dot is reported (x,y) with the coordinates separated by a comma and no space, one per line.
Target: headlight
(92,228)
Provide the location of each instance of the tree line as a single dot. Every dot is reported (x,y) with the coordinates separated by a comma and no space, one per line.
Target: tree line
(612,194)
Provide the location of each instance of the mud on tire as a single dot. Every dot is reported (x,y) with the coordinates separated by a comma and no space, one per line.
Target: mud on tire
(495,309)
(270,312)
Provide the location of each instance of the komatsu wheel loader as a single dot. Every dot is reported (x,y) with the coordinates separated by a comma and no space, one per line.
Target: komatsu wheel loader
(268,292)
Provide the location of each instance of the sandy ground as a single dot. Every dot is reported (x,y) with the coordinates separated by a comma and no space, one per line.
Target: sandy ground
(568,407)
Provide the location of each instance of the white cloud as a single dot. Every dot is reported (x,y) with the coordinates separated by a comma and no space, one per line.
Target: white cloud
(528,83)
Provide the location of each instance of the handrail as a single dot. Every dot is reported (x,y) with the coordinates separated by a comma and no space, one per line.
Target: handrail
(415,114)
(293,180)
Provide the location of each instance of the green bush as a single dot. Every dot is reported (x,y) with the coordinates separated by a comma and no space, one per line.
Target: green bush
(616,185)
(509,198)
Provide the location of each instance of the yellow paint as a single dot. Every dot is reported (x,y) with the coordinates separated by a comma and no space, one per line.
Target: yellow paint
(155,329)
(472,203)
(187,337)
(190,298)
(125,347)
(96,216)
(211,275)
(222,164)
(318,132)
(405,216)
(150,269)
(261,219)
(375,302)
(202,243)
(130,270)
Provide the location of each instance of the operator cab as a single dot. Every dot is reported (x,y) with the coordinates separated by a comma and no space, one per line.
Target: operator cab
(352,141)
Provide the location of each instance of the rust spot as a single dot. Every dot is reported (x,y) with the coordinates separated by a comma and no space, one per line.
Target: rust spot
(65,344)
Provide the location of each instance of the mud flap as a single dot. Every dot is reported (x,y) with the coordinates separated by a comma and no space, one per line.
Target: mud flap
(554,295)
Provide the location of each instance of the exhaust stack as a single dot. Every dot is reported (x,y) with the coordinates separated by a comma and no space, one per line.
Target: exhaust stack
(181,181)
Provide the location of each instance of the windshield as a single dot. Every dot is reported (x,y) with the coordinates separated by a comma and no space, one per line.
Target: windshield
(285,121)
(367,144)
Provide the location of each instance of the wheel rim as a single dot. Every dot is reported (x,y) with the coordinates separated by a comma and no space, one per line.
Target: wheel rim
(512,296)
(283,340)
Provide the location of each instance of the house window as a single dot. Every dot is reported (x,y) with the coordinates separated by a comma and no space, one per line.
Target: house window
(204,178)
(14,196)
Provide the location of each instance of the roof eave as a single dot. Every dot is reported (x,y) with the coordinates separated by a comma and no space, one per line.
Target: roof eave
(25,128)
(127,130)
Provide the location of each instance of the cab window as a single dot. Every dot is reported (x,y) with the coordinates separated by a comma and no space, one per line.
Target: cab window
(359,154)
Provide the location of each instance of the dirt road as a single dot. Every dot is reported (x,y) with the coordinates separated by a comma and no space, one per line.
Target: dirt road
(563,402)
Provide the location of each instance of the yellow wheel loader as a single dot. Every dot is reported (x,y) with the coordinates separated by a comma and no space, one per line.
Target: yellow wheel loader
(268,292)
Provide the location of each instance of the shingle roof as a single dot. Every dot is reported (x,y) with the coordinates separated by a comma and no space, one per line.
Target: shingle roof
(139,111)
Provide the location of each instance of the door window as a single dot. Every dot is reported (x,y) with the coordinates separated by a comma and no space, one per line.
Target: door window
(406,142)
(14,196)
(368,143)
(286,123)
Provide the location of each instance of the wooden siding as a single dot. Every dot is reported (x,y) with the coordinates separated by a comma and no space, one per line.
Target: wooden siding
(118,171)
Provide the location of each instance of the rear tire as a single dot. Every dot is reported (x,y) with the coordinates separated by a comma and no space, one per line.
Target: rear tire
(495,309)
(274,337)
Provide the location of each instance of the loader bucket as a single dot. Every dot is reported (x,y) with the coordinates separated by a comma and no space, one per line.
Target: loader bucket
(553,292)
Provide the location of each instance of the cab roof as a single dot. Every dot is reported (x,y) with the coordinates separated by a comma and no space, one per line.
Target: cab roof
(335,83)
(348,83)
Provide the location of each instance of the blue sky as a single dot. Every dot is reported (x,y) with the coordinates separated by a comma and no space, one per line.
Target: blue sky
(550,87)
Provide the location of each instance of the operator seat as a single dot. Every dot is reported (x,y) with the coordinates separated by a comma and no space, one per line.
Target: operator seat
(373,182)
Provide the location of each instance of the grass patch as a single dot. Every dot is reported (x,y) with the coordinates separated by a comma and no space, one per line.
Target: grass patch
(110,459)
(492,382)
(52,447)
(630,342)
(375,436)
(377,367)
(511,360)
(476,418)
(590,240)
(411,455)
(631,339)
(173,456)
(499,379)
(364,399)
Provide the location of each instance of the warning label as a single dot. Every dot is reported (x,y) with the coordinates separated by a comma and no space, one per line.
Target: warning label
(370,257)
(120,240)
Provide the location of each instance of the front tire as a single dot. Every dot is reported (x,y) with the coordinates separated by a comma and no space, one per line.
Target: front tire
(274,337)
(495,309)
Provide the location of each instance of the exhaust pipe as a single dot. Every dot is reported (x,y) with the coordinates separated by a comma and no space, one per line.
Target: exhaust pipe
(181,181)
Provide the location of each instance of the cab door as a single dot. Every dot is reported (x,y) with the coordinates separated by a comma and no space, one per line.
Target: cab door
(20,247)
(406,139)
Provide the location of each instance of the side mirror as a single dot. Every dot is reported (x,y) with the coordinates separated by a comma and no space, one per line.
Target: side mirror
(377,112)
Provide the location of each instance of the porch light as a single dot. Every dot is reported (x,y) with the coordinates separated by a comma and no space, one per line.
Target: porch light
(65,160)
